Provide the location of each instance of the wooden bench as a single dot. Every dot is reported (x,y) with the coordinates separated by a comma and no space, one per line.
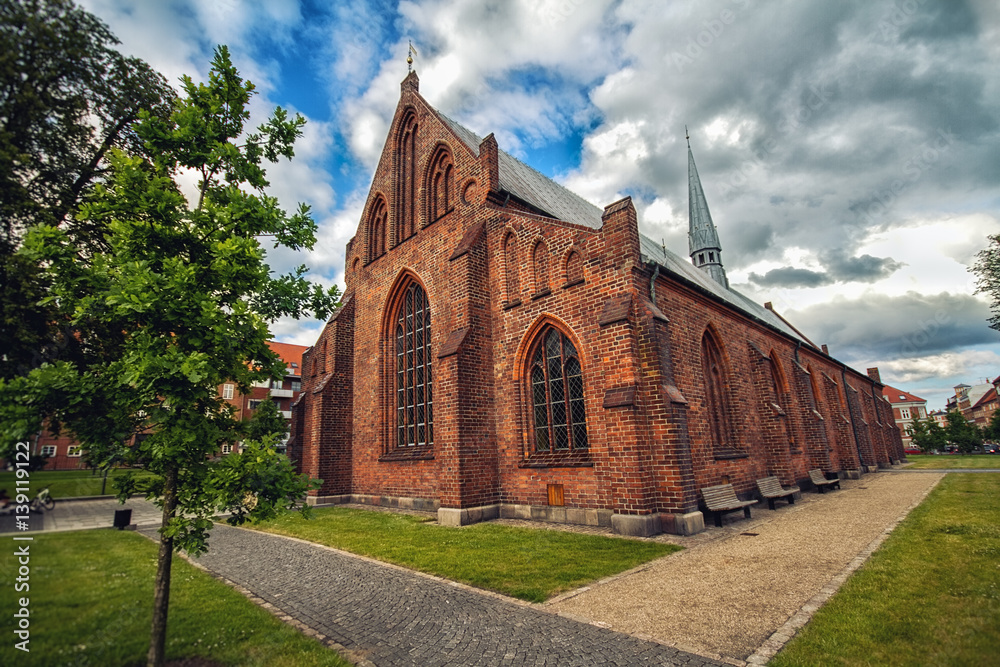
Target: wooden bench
(817,477)
(770,490)
(722,499)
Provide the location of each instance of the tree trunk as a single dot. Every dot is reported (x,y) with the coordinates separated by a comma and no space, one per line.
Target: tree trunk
(161,596)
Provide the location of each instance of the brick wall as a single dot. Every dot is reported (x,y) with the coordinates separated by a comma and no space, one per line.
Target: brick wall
(498,275)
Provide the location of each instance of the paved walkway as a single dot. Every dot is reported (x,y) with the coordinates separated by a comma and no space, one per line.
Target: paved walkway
(386,615)
(79,514)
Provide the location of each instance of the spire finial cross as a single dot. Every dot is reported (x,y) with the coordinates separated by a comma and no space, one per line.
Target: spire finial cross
(409,57)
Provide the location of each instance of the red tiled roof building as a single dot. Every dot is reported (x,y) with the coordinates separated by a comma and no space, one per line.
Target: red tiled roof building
(906,408)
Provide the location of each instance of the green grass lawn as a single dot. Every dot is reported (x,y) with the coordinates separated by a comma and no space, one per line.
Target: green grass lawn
(525,563)
(930,595)
(949,461)
(91,601)
(64,483)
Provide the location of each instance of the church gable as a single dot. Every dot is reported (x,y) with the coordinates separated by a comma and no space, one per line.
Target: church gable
(424,172)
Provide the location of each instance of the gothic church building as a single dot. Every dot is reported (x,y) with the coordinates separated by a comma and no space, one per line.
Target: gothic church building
(507,349)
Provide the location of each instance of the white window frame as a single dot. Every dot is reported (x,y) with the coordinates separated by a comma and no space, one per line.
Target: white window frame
(227,392)
(74,451)
(48,450)
(227,448)
(904,413)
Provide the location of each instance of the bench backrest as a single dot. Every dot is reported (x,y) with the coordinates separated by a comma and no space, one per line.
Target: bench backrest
(723,495)
(817,476)
(770,486)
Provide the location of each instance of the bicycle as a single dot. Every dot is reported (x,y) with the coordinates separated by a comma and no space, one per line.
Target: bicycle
(42,501)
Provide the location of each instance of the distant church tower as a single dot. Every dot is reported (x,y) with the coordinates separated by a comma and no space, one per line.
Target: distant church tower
(703,240)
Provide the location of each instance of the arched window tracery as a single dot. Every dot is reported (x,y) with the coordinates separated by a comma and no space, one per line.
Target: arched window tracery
(413,377)
(555,377)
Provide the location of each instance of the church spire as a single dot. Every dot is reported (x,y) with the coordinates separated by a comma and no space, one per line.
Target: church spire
(703,240)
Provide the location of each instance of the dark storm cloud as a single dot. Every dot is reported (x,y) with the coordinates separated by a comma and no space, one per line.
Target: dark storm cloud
(840,268)
(851,116)
(790,277)
(892,327)
(865,269)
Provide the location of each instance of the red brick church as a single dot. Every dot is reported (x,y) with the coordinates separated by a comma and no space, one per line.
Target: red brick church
(505,348)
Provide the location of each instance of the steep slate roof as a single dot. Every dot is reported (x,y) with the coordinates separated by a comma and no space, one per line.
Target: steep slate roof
(543,193)
(532,187)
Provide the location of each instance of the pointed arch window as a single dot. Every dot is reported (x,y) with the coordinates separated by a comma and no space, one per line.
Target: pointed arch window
(440,188)
(378,223)
(413,376)
(406,178)
(559,416)
(716,394)
(511,267)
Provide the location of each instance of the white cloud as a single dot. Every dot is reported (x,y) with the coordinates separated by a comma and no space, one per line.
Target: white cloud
(968,363)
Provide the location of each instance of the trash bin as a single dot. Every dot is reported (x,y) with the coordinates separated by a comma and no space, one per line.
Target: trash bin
(122,519)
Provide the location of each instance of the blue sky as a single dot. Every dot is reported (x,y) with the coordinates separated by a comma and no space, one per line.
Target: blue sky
(848,150)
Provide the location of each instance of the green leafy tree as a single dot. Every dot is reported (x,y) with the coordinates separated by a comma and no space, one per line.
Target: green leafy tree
(67,97)
(266,421)
(186,284)
(961,433)
(927,435)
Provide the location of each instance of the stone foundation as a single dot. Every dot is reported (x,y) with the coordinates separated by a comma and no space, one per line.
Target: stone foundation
(682,524)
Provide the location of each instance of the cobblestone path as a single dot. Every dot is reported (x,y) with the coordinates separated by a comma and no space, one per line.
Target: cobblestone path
(388,616)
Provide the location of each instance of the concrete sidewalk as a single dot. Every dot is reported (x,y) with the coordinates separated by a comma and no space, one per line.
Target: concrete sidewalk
(81,514)
(739,593)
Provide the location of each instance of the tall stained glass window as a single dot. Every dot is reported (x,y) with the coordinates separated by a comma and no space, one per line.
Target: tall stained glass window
(414,395)
(558,413)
